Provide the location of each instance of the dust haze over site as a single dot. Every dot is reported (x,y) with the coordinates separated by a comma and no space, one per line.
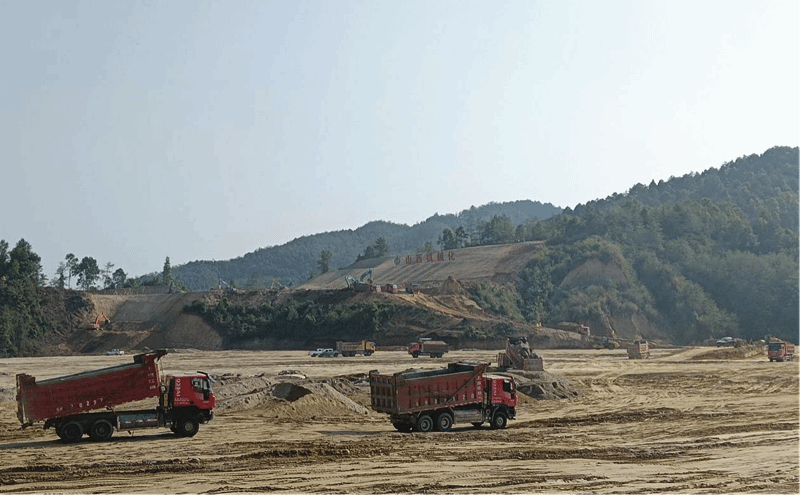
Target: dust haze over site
(134,132)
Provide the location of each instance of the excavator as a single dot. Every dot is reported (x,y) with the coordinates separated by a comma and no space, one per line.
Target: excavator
(363,284)
(518,355)
(102,320)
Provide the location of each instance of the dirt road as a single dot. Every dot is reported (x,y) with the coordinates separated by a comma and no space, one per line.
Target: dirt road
(668,424)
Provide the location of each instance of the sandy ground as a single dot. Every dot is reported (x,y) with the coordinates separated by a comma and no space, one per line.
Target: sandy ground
(669,424)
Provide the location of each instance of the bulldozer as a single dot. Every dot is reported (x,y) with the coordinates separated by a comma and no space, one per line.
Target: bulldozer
(606,343)
(518,355)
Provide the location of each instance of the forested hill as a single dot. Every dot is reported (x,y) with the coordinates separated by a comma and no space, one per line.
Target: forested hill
(764,187)
(296,261)
(706,254)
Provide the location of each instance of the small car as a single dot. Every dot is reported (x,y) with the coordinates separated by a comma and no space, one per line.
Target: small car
(115,352)
(726,342)
(324,352)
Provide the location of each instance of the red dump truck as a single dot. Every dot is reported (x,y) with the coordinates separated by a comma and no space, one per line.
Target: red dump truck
(84,402)
(434,400)
(425,346)
(780,351)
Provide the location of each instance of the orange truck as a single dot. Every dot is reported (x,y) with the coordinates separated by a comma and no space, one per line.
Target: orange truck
(84,403)
(780,351)
(350,349)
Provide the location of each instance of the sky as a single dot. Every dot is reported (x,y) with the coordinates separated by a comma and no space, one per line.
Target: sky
(132,131)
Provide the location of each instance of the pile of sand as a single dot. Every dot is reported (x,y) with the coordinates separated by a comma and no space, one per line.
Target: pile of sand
(542,385)
(743,352)
(451,286)
(288,397)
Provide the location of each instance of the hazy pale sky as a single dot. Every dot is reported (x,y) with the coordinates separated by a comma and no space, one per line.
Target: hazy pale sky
(131,131)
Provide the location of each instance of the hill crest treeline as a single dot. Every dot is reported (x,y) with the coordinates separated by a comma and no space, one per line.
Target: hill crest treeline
(703,255)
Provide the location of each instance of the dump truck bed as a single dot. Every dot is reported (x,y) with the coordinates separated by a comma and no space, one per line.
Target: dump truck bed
(407,392)
(89,390)
(434,346)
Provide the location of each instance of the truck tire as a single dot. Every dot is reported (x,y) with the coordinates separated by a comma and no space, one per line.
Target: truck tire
(415,355)
(187,427)
(71,432)
(402,427)
(424,424)
(444,422)
(368,353)
(101,430)
(499,421)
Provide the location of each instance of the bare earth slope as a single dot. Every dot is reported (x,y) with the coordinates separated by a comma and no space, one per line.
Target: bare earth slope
(154,320)
(466,265)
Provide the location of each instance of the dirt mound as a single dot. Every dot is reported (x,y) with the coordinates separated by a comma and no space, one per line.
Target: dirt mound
(451,286)
(286,397)
(744,352)
(542,385)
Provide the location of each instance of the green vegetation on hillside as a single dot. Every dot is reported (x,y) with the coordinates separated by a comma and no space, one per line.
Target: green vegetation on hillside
(705,255)
(21,324)
(296,321)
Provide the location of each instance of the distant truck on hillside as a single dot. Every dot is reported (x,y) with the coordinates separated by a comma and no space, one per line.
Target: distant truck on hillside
(350,349)
(424,346)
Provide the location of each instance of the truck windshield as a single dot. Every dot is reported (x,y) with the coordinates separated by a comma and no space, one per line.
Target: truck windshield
(775,347)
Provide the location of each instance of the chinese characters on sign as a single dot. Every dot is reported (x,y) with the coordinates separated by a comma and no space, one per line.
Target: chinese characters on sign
(429,257)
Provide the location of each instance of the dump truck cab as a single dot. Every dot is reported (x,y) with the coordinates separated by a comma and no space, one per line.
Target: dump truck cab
(188,391)
(500,390)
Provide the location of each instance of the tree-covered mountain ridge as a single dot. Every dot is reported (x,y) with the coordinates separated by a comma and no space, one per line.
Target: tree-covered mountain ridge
(703,255)
(695,257)
(298,260)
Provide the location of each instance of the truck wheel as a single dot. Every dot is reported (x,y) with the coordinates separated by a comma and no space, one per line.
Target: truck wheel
(402,427)
(415,355)
(71,432)
(368,353)
(424,424)
(444,422)
(101,430)
(187,427)
(499,421)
